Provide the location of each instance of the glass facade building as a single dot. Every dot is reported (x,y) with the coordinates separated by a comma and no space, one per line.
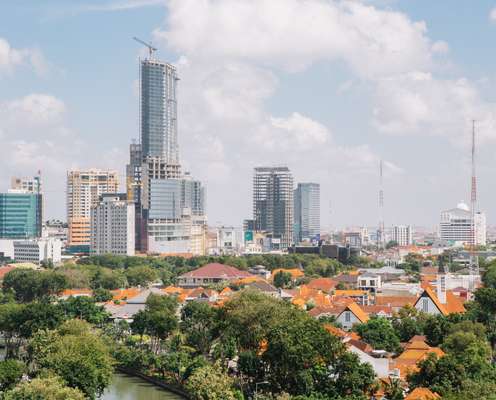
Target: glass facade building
(20,215)
(158,110)
(307,211)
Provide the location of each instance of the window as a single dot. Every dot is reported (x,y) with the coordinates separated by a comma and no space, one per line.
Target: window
(425,305)
(347,316)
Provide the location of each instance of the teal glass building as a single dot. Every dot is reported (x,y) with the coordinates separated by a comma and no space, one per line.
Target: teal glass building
(20,215)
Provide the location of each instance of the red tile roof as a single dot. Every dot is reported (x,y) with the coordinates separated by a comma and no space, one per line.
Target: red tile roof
(5,270)
(324,284)
(216,270)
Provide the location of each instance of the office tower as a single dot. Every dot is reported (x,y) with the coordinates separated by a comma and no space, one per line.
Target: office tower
(21,215)
(112,226)
(307,212)
(84,188)
(158,84)
(193,195)
(402,234)
(273,204)
(26,184)
(133,172)
(456,226)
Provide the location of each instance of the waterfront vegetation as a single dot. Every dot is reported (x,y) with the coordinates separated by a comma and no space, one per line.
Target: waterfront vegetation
(253,343)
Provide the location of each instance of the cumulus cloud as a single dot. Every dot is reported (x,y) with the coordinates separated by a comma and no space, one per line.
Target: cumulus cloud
(277,33)
(418,103)
(10,58)
(36,135)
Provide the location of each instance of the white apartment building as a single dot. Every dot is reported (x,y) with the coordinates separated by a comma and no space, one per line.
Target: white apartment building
(229,240)
(456,226)
(84,188)
(112,226)
(38,250)
(402,234)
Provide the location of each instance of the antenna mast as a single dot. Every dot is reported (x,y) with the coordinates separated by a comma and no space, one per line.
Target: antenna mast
(474,260)
(380,239)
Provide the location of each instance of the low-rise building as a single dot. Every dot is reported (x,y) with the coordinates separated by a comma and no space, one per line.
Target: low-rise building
(38,250)
(211,274)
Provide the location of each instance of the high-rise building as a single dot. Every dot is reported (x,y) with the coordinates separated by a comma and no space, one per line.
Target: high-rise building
(158,84)
(307,212)
(112,226)
(21,215)
(26,184)
(402,234)
(456,226)
(84,188)
(273,204)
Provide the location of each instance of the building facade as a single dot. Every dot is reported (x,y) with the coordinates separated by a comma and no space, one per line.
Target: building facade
(20,215)
(402,234)
(273,204)
(112,226)
(456,226)
(84,188)
(307,212)
(38,250)
(26,184)
(158,86)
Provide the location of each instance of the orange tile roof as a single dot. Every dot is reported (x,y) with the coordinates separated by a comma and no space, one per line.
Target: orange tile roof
(77,292)
(295,272)
(395,301)
(324,284)
(359,313)
(172,290)
(422,394)
(122,294)
(352,292)
(453,303)
(334,330)
(415,350)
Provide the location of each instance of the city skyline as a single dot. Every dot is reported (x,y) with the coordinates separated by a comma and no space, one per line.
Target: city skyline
(242,109)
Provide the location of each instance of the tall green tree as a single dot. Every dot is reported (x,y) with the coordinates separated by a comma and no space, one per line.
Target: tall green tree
(50,388)
(379,333)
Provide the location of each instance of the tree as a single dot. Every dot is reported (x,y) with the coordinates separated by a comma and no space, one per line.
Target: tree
(102,295)
(210,383)
(108,279)
(141,275)
(393,389)
(408,322)
(282,279)
(379,333)
(10,374)
(50,388)
(84,308)
(199,323)
(391,244)
(29,285)
(76,354)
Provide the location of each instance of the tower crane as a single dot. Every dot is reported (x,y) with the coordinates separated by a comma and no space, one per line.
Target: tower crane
(151,49)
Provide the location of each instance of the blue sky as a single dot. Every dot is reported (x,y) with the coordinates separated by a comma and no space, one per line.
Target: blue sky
(326,87)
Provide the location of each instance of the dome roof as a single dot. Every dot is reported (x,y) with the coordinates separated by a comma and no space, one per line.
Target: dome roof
(463,206)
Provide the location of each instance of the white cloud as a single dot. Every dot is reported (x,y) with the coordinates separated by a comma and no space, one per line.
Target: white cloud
(35,135)
(277,33)
(420,104)
(10,58)
(492,15)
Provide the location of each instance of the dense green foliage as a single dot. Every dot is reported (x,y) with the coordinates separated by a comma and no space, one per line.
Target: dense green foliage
(380,334)
(50,388)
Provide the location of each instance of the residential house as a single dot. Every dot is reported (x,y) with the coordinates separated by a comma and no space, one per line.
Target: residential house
(446,303)
(211,274)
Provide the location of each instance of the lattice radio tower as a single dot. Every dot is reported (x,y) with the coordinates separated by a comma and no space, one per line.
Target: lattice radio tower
(474,260)
(381,239)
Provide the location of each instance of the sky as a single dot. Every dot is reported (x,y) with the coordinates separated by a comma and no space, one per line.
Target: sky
(328,88)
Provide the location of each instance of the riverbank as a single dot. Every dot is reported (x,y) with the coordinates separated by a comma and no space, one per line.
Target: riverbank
(157,382)
(131,387)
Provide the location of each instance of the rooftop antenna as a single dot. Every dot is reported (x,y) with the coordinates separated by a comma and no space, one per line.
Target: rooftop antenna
(381,237)
(474,260)
(151,49)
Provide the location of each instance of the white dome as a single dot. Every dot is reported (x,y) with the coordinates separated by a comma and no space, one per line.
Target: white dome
(463,206)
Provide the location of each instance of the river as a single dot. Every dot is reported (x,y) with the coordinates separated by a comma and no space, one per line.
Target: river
(125,387)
